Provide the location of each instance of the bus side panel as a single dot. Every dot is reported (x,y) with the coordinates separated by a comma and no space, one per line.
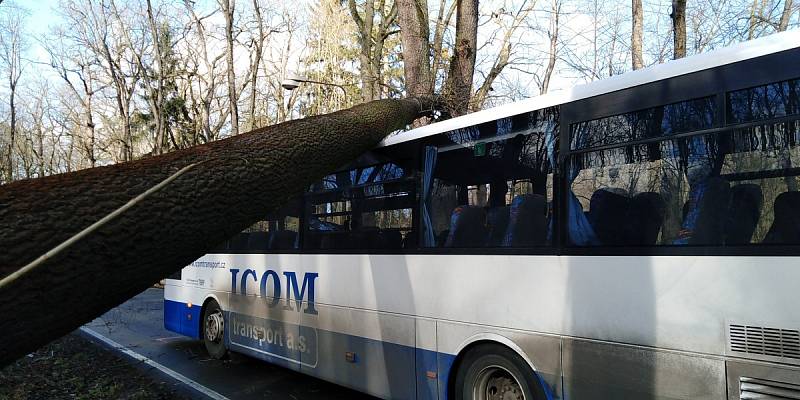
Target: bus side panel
(543,351)
(594,369)
(427,359)
(365,350)
(181,315)
(271,333)
(180,318)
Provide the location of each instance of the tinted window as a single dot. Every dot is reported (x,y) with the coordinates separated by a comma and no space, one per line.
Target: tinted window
(363,208)
(277,231)
(764,102)
(736,188)
(494,192)
(360,176)
(649,123)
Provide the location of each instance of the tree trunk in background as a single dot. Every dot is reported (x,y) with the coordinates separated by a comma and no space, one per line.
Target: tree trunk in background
(254,65)
(234,183)
(12,131)
(679,28)
(371,41)
(458,88)
(552,53)
(636,34)
(228,7)
(783,24)
(414,35)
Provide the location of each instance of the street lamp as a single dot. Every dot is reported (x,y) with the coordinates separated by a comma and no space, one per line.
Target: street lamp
(293,81)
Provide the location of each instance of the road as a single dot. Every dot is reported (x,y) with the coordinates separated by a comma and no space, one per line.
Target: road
(136,328)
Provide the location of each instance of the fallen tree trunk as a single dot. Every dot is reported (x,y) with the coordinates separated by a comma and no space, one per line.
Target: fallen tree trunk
(197,198)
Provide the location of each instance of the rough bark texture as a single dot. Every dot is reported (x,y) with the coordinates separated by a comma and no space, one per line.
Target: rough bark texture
(413,18)
(679,28)
(241,179)
(228,8)
(783,24)
(458,89)
(636,34)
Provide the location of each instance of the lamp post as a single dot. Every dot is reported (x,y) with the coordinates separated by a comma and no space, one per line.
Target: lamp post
(293,81)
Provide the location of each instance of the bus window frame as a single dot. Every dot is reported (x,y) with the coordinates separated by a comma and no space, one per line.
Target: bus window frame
(717,82)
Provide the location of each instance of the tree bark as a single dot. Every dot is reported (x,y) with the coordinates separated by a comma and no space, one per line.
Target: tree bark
(228,7)
(458,89)
(12,129)
(783,24)
(254,65)
(371,41)
(414,35)
(555,12)
(636,34)
(679,28)
(155,96)
(234,182)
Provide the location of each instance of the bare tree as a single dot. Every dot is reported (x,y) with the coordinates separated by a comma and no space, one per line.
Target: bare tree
(372,39)
(413,18)
(636,34)
(503,58)
(12,45)
(679,28)
(228,7)
(783,23)
(552,54)
(73,61)
(458,89)
(257,49)
(203,75)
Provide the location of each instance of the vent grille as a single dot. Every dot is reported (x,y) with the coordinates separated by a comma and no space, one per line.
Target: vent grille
(762,389)
(774,342)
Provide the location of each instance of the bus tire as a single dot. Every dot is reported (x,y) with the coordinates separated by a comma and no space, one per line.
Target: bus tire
(213,330)
(493,372)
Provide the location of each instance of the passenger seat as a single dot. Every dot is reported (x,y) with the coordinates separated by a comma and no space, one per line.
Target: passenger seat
(710,214)
(282,240)
(743,213)
(608,213)
(258,241)
(645,219)
(786,226)
(527,222)
(467,227)
(498,225)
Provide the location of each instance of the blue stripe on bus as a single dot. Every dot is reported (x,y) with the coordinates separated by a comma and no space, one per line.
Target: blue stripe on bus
(180,318)
(426,361)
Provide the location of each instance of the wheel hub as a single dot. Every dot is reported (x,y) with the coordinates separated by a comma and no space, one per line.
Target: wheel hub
(215,326)
(495,383)
(503,388)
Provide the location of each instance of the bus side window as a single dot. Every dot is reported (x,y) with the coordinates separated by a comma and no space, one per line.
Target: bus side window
(732,188)
(277,231)
(494,191)
(360,209)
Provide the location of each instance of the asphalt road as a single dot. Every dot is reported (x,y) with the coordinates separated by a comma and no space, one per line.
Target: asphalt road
(136,328)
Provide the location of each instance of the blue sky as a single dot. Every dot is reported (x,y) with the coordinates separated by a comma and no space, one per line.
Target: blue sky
(42,14)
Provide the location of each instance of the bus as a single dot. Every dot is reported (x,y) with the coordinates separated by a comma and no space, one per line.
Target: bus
(631,238)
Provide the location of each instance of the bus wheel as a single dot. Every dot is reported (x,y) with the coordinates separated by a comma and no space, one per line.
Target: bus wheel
(494,372)
(214,330)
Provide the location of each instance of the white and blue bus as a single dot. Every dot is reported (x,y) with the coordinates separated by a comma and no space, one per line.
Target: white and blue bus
(636,237)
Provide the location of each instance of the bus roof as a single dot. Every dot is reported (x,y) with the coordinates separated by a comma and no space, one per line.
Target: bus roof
(739,52)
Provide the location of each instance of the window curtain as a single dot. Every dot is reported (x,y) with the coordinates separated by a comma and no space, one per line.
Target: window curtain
(579,228)
(428,236)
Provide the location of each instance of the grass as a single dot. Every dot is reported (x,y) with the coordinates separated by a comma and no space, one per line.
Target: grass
(76,368)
